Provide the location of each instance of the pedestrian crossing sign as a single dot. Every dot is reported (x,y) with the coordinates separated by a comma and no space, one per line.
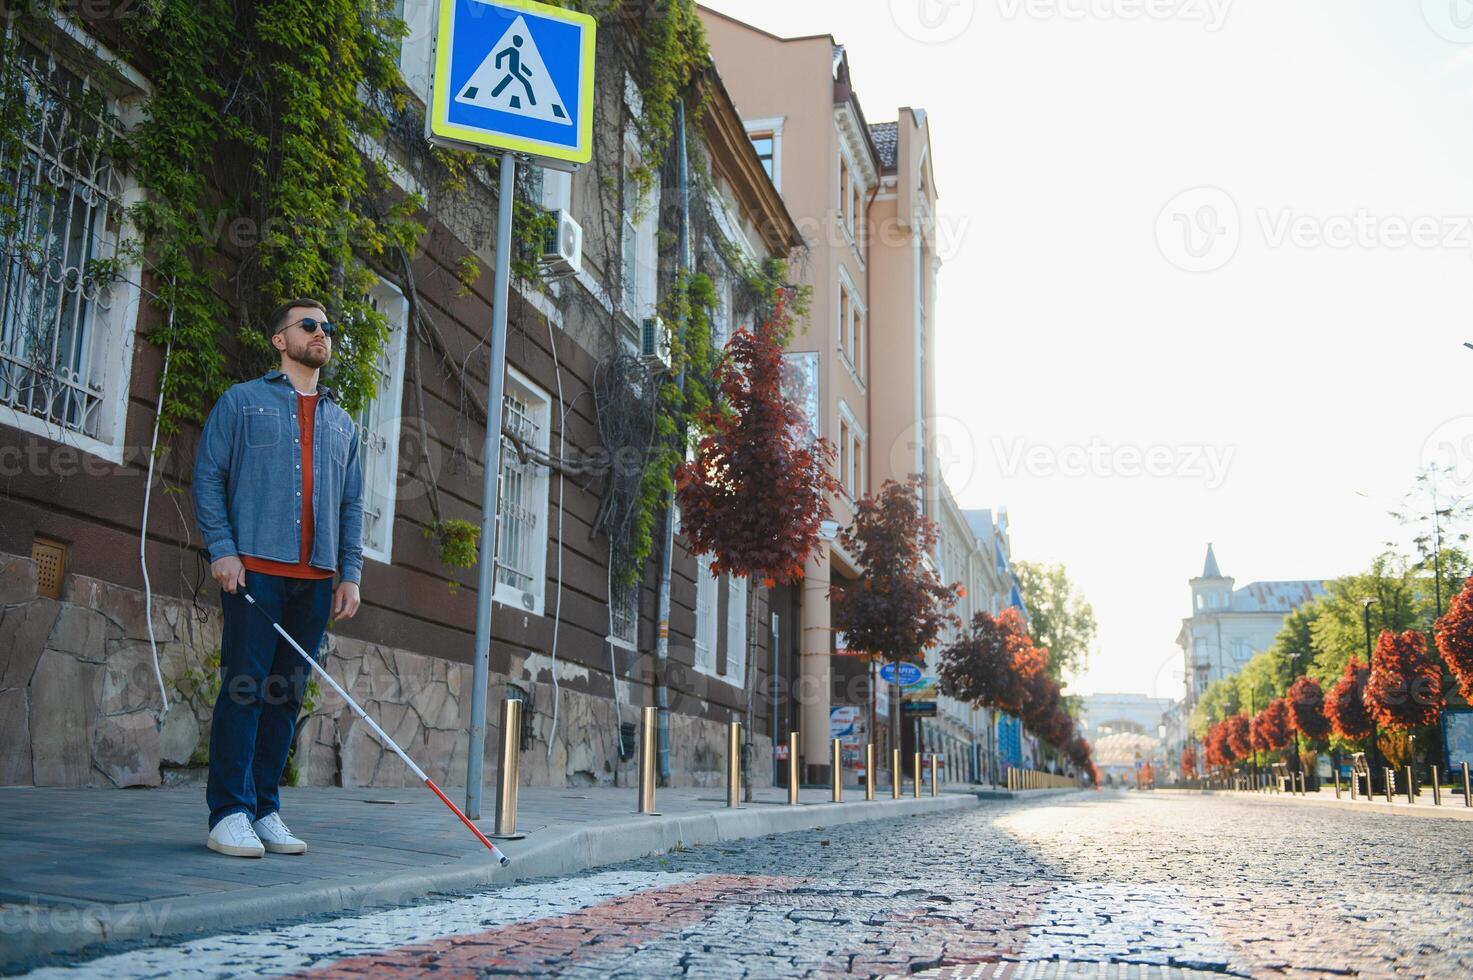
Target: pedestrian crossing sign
(514,75)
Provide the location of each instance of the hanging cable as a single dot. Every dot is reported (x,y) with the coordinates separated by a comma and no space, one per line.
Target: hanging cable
(557,601)
(147,495)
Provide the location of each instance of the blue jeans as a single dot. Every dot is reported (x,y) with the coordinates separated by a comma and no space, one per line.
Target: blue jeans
(262,683)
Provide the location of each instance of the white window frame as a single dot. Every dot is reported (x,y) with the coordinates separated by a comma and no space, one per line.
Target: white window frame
(851,326)
(416,48)
(736,630)
(852,475)
(639,223)
(379,426)
(772,126)
(533,477)
(107,347)
(707,595)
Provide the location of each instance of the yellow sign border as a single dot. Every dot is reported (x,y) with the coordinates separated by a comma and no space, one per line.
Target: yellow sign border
(440,126)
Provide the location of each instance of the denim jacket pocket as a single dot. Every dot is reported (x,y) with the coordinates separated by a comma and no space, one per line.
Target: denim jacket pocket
(341,438)
(262,426)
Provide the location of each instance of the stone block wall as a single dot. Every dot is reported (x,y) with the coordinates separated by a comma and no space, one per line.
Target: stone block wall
(80,704)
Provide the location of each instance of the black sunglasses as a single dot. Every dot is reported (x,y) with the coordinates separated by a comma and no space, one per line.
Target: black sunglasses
(311,325)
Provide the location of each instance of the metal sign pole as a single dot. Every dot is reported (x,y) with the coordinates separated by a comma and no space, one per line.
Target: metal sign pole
(491,459)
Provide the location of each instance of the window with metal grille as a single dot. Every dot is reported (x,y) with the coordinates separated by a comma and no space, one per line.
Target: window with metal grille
(736,630)
(521,538)
(65,319)
(706,625)
(379,427)
(624,613)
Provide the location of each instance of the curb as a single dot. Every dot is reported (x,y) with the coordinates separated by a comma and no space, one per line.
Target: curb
(28,933)
(1455,811)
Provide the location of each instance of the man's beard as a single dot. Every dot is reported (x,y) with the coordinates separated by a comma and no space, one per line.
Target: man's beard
(309,356)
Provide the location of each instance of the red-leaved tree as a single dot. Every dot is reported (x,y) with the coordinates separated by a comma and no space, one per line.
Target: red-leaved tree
(988,663)
(1238,736)
(1256,736)
(1455,639)
(898,607)
(1307,709)
(1272,726)
(1188,763)
(1405,689)
(757,490)
(1346,705)
(1218,751)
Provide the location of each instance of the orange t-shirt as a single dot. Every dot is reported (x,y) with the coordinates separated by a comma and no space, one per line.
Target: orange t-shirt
(306,413)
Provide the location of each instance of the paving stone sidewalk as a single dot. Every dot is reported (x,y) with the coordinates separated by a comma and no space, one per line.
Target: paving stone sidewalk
(79,866)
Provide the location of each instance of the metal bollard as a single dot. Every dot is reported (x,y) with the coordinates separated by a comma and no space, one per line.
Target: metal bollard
(1390,784)
(896,777)
(1354,784)
(1467,787)
(508,770)
(1436,788)
(1410,788)
(1337,782)
(649,721)
(793,781)
(869,771)
(916,789)
(933,773)
(836,769)
(734,764)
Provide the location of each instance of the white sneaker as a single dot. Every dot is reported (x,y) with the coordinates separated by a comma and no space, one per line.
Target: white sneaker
(276,838)
(234,836)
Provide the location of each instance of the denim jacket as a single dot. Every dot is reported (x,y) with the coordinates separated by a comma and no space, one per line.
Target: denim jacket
(248,479)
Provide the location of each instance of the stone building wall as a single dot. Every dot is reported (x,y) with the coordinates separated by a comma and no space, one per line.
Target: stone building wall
(80,705)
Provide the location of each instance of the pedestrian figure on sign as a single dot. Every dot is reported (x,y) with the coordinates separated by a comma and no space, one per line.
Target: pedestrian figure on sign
(515,71)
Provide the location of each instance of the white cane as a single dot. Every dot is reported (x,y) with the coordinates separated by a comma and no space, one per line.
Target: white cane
(383,737)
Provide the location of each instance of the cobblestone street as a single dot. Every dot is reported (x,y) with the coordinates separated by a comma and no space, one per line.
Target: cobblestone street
(1165,884)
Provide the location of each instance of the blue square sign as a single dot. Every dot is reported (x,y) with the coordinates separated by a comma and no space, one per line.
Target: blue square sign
(514,75)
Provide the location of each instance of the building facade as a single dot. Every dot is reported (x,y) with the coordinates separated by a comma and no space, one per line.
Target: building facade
(92,591)
(864,198)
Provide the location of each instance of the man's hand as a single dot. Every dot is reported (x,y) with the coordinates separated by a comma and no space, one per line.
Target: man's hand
(345,601)
(229,572)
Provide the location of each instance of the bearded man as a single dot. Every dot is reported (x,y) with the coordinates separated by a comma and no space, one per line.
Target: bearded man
(278,496)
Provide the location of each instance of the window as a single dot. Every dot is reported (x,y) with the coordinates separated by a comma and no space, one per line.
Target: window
(639,255)
(845,314)
(416,46)
(624,613)
(736,630)
(844,215)
(705,638)
(378,427)
(766,146)
(845,464)
(521,538)
(66,328)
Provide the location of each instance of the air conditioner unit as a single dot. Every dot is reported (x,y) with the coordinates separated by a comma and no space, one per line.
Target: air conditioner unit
(562,246)
(654,344)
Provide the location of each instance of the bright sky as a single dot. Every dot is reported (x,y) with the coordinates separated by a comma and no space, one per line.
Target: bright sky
(1272,382)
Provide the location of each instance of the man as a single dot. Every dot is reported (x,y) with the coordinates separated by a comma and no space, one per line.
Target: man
(278,497)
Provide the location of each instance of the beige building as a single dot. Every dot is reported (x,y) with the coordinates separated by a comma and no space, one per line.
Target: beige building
(864,199)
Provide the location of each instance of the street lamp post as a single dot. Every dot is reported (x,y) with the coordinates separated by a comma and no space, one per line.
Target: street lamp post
(1379,763)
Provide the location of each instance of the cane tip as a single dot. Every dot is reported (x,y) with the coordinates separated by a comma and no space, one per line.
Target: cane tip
(505,860)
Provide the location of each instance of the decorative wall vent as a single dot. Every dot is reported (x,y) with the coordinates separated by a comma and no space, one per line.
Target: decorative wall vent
(50,559)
